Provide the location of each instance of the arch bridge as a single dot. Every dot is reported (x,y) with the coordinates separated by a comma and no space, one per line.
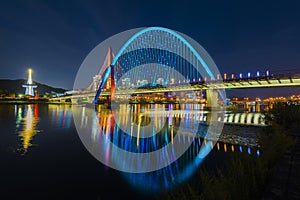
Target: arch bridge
(178,55)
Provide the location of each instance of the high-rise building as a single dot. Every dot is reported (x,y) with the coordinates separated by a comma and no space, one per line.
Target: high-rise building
(172,81)
(160,81)
(144,82)
(96,82)
(126,82)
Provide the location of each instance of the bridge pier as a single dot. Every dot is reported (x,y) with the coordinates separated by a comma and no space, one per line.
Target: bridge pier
(212,104)
(212,98)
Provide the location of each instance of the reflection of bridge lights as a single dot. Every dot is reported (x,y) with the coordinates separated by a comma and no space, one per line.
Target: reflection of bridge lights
(170,176)
(258,152)
(61,115)
(130,50)
(241,149)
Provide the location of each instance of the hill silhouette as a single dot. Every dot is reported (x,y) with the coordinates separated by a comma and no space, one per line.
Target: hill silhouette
(15,86)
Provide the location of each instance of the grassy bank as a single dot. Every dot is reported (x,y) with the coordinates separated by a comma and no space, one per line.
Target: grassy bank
(246,177)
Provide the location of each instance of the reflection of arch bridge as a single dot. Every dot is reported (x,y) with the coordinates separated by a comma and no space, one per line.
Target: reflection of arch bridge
(150,43)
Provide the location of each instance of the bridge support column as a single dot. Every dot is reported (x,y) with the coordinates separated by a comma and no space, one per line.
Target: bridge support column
(212,104)
(212,98)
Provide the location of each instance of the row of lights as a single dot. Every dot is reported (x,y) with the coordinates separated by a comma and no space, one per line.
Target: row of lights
(241,75)
(241,149)
(219,77)
(258,74)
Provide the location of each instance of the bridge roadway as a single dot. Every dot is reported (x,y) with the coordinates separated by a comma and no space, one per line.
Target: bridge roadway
(244,83)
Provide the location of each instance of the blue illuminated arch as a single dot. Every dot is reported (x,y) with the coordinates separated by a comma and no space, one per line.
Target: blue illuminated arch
(136,35)
(168,31)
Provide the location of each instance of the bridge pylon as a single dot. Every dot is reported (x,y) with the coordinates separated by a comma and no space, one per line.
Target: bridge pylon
(112,74)
(108,80)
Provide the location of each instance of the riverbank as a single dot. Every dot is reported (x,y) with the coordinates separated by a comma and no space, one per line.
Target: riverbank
(285,180)
(23,101)
(31,101)
(273,175)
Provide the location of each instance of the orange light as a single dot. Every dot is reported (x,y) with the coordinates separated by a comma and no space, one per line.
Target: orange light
(225,147)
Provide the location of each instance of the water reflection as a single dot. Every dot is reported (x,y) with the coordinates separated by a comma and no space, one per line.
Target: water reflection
(60,115)
(27,118)
(147,128)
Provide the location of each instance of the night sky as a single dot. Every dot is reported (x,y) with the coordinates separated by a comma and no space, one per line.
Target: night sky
(53,37)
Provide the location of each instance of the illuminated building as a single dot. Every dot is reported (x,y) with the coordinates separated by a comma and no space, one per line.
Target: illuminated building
(126,82)
(160,81)
(96,81)
(144,82)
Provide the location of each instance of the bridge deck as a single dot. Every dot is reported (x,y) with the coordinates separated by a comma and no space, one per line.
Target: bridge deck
(265,82)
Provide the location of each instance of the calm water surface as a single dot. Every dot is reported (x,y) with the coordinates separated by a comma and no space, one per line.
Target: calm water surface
(43,157)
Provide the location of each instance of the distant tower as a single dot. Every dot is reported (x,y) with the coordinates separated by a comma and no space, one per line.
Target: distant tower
(29,85)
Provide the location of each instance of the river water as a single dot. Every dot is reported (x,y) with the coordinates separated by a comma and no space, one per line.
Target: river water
(42,155)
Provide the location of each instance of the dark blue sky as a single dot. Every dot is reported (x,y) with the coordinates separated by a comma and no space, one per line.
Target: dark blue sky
(53,37)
